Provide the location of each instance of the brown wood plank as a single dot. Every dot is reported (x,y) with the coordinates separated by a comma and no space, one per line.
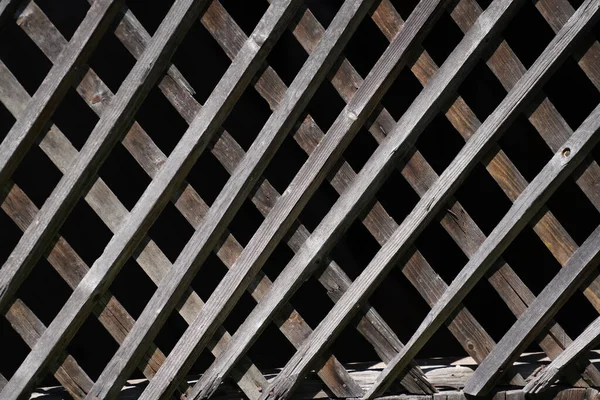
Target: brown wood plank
(545,306)
(188,202)
(552,372)
(110,128)
(306,181)
(425,209)
(51,91)
(70,375)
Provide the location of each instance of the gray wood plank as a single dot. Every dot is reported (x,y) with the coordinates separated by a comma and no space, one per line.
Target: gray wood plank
(241,182)
(108,131)
(172,173)
(425,209)
(529,202)
(305,182)
(547,303)
(51,91)
(548,375)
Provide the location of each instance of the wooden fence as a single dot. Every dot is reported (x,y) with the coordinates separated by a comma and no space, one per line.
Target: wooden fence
(397,155)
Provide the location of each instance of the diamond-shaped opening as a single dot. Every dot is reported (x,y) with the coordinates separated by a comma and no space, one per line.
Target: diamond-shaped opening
(246,13)
(483,199)
(572,94)
(311,301)
(133,278)
(280,257)
(287,57)
(201,69)
(540,34)
(481,300)
(112,61)
(247,118)
(239,313)
(66,16)
(325,106)
(166,127)
(23,58)
(285,164)
(531,260)
(442,344)
(208,277)
(245,223)
(439,143)
(365,47)
(360,149)
(208,177)
(37,176)
(441,251)
(325,11)
(150,17)
(85,232)
(351,346)
(525,147)
(318,206)
(171,332)
(44,291)
(442,39)
(397,197)
(171,231)
(78,129)
(569,205)
(484,4)
(262,351)
(124,176)
(354,250)
(482,91)
(403,91)
(92,358)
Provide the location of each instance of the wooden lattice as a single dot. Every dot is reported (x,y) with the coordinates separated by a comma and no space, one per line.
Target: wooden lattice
(166,373)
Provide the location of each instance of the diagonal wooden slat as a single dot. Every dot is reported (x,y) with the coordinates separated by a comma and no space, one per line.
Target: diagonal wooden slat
(588,338)
(41,30)
(108,130)
(24,132)
(425,209)
(231,198)
(305,182)
(549,301)
(504,233)
(288,279)
(64,259)
(30,328)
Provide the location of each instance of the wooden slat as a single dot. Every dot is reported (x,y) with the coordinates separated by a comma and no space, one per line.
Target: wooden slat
(422,213)
(588,338)
(504,232)
(298,269)
(63,258)
(30,328)
(109,129)
(549,301)
(41,30)
(174,170)
(305,182)
(24,132)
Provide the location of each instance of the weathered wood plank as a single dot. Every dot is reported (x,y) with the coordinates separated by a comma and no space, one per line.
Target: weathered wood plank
(51,91)
(178,165)
(110,128)
(41,30)
(530,200)
(305,182)
(547,303)
(550,373)
(424,210)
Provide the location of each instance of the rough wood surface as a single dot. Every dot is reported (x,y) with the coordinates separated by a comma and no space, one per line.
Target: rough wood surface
(108,131)
(547,303)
